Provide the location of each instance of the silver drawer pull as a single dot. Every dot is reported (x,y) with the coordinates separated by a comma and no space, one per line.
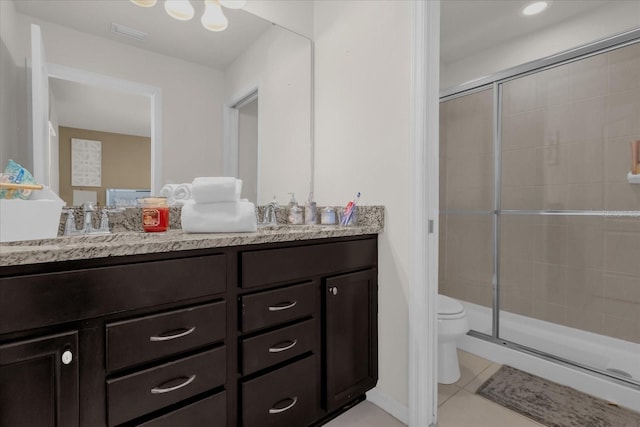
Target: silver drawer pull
(159,390)
(286,408)
(174,336)
(282,307)
(285,348)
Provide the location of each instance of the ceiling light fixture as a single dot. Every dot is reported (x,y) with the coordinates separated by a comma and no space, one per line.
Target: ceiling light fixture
(179,9)
(212,19)
(145,3)
(534,8)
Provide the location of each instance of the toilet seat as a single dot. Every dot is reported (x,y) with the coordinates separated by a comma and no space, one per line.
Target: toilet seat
(449,309)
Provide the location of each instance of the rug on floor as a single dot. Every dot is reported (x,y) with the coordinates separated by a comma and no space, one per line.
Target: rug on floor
(552,404)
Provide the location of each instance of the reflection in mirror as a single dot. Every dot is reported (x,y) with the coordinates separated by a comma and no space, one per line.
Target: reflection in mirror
(198,74)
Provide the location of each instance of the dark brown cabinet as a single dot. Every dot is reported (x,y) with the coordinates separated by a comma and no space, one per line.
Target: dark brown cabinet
(350,335)
(281,334)
(39,382)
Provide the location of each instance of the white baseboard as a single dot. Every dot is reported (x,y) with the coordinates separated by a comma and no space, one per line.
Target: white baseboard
(388,404)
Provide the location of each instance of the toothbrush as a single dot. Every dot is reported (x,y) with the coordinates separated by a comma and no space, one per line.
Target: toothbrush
(348,211)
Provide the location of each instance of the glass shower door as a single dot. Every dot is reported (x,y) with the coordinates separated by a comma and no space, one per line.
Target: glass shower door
(467,203)
(569,220)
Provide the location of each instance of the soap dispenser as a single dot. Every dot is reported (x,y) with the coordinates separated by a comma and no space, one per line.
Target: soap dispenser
(295,212)
(310,211)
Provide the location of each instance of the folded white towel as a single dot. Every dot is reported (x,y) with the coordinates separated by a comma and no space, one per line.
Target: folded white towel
(228,217)
(214,189)
(176,194)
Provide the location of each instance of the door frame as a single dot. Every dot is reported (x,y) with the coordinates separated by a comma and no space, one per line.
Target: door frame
(424,208)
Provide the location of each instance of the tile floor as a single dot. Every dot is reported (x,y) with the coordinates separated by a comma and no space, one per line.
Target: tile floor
(458,405)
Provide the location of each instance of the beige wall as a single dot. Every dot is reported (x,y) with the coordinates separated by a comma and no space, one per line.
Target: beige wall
(126,161)
(566,137)
(362,102)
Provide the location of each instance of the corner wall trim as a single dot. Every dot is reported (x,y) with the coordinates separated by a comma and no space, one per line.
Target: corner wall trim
(388,404)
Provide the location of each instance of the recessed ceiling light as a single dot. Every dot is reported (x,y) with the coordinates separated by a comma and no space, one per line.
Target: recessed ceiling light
(534,8)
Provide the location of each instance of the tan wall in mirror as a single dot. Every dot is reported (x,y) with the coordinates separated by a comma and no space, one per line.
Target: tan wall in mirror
(126,161)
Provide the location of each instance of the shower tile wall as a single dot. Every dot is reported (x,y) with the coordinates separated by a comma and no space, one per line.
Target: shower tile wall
(466,169)
(565,146)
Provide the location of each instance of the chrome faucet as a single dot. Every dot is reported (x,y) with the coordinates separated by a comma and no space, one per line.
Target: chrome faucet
(270,216)
(88,209)
(87,227)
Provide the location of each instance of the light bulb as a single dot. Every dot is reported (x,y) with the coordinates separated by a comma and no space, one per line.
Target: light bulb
(233,4)
(213,19)
(179,9)
(144,3)
(534,8)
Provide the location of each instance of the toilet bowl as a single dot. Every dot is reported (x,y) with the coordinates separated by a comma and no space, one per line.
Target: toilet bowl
(452,324)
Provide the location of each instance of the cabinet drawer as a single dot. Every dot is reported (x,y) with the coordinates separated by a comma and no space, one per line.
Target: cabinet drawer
(274,347)
(286,397)
(209,412)
(272,307)
(32,301)
(269,266)
(139,340)
(137,394)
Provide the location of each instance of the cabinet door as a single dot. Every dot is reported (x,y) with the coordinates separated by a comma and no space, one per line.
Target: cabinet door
(39,382)
(351,331)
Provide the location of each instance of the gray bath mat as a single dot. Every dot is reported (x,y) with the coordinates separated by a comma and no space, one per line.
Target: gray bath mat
(552,404)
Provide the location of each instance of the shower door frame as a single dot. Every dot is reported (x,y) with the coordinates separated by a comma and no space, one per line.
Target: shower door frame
(495,82)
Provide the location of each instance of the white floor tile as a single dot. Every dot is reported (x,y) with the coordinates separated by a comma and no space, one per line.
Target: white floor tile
(365,414)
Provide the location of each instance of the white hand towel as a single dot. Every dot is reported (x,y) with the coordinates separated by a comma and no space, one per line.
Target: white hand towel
(214,189)
(229,217)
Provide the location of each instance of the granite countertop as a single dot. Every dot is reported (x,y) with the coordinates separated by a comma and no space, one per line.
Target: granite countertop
(79,247)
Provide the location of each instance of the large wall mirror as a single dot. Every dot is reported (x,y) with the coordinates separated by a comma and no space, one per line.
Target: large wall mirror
(168,98)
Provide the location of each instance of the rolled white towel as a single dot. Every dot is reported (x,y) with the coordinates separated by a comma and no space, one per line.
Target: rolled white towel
(167,191)
(224,217)
(182,193)
(215,189)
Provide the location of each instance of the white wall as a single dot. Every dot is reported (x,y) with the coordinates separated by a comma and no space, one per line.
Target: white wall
(602,22)
(192,95)
(362,133)
(279,64)
(9,84)
(295,15)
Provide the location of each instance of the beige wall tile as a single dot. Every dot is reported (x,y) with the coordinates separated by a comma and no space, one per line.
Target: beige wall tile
(623,111)
(624,68)
(550,284)
(587,119)
(524,130)
(621,328)
(585,289)
(584,161)
(517,197)
(621,253)
(590,321)
(617,159)
(520,95)
(588,197)
(585,242)
(522,167)
(588,77)
(553,86)
(622,196)
(554,313)
(550,244)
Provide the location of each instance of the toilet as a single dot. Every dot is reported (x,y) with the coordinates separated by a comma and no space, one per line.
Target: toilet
(452,324)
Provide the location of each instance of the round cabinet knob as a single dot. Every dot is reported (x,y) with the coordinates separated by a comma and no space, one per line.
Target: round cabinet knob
(67,357)
(334,290)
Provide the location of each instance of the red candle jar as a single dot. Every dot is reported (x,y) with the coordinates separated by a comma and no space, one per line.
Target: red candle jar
(155,214)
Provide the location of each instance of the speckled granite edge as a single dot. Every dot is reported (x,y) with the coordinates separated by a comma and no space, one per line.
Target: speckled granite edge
(122,243)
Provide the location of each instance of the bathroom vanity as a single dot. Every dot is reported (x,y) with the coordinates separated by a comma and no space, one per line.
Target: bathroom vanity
(267,329)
